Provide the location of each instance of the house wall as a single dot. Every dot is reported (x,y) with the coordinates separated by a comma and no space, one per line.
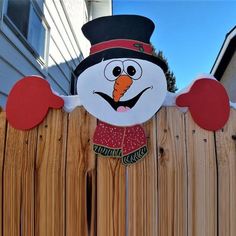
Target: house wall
(100,8)
(66,47)
(229,78)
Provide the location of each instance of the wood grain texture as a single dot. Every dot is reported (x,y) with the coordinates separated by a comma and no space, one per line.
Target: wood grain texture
(111,176)
(142,190)
(50,175)
(18,182)
(172,173)
(52,183)
(226,159)
(80,175)
(202,180)
(27,184)
(3,127)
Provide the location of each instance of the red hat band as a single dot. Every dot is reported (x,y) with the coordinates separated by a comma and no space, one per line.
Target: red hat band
(133,45)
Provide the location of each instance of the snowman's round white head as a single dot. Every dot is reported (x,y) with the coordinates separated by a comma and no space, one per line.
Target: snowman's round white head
(121,82)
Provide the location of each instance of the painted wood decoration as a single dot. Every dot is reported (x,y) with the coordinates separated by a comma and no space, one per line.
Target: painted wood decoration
(29,101)
(123,85)
(208,103)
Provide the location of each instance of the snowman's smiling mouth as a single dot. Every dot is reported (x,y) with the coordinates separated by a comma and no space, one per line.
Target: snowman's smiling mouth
(122,105)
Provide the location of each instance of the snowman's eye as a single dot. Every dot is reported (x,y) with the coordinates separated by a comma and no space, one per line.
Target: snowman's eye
(116,71)
(113,69)
(133,69)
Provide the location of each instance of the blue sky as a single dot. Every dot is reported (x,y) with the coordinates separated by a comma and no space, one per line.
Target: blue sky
(190,33)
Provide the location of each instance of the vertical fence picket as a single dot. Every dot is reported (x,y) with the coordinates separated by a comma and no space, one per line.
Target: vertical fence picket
(226,159)
(172,173)
(142,190)
(27,184)
(80,175)
(50,175)
(2,149)
(18,182)
(202,180)
(110,197)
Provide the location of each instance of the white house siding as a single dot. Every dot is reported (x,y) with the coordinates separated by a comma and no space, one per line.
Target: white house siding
(66,47)
(100,8)
(78,18)
(229,78)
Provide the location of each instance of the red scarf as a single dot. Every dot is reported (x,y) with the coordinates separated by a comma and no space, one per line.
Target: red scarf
(128,143)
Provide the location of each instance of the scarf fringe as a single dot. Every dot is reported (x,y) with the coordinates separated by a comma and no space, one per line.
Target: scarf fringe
(128,159)
(107,152)
(135,156)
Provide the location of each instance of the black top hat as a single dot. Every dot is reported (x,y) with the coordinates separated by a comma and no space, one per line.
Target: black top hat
(119,36)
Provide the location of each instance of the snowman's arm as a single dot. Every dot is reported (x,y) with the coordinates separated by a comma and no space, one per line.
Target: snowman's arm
(170,101)
(233,105)
(71,102)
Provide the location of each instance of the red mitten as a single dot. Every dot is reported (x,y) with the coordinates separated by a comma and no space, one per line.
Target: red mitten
(29,101)
(208,103)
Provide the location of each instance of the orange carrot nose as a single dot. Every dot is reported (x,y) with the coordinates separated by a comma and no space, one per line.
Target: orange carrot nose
(121,85)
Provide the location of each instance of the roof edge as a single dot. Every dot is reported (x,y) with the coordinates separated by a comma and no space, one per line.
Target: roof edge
(225,46)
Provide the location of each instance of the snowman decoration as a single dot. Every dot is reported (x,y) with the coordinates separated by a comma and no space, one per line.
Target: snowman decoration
(123,85)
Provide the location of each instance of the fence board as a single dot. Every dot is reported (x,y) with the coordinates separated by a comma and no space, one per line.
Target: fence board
(52,184)
(2,149)
(18,182)
(142,190)
(202,180)
(80,175)
(111,176)
(50,175)
(172,173)
(27,184)
(226,153)
(12,183)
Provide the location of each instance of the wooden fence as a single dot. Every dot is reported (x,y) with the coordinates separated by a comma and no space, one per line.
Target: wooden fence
(53,185)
